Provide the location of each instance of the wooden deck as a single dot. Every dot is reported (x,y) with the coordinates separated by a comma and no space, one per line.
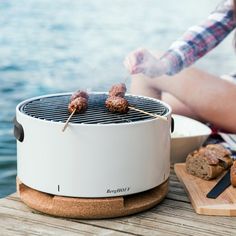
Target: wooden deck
(174,216)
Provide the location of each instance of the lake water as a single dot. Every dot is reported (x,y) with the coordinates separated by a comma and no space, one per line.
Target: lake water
(60,46)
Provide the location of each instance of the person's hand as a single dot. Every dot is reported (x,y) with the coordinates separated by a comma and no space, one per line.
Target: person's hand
(142,61)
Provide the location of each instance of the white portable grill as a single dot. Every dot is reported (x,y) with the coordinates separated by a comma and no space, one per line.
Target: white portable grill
(101,154)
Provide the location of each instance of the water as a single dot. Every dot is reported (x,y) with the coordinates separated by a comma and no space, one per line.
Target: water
(60,46)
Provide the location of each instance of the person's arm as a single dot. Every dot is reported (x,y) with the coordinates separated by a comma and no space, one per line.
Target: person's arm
(200,39)
(194,44)
(210,98)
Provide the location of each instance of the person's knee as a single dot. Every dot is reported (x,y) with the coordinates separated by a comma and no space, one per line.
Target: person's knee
(141,85)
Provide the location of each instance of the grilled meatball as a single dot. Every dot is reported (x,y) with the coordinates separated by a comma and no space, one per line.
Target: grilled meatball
(117,90)
(79,93)
(79,103)
(117,104)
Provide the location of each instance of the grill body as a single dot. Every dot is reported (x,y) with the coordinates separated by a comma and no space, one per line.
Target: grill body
(104,156)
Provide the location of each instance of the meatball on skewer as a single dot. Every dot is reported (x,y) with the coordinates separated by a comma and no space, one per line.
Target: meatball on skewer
(117,104)
(116,101)
(118,90)
(78,104)
(79,93)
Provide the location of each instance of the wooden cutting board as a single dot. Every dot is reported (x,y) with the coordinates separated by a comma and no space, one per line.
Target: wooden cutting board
(197,189)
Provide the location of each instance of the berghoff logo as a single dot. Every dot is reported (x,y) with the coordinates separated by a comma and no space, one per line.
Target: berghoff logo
(118,190)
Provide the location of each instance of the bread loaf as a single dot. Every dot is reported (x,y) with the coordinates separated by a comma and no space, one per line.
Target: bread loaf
(208,162)
(233,174)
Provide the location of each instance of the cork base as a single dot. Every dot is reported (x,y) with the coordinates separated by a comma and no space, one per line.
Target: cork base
(91,208)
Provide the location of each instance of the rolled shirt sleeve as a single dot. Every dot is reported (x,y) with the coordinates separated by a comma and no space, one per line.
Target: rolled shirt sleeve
(200,39)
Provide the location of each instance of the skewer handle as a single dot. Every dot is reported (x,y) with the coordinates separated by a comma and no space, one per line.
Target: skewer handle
(68,120)
(147,113)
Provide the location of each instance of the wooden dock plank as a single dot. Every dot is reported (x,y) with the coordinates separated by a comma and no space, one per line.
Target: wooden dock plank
(174,216)
(18,221)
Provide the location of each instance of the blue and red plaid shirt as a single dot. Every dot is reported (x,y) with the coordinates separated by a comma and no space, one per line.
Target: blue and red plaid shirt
(200,39)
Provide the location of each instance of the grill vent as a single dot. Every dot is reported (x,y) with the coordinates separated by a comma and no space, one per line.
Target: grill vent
(54,108)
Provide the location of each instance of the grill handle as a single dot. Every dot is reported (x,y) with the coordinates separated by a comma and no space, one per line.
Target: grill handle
(18,130)
(172,128)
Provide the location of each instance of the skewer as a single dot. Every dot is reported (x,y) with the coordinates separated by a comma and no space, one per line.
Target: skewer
(147,113)
(67,122)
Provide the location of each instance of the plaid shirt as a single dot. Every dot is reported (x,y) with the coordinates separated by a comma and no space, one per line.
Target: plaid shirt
(200,39)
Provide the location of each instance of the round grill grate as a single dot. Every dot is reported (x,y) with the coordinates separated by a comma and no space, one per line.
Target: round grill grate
(54,108)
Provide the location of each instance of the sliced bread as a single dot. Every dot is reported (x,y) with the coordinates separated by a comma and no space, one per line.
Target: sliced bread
(208,162)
